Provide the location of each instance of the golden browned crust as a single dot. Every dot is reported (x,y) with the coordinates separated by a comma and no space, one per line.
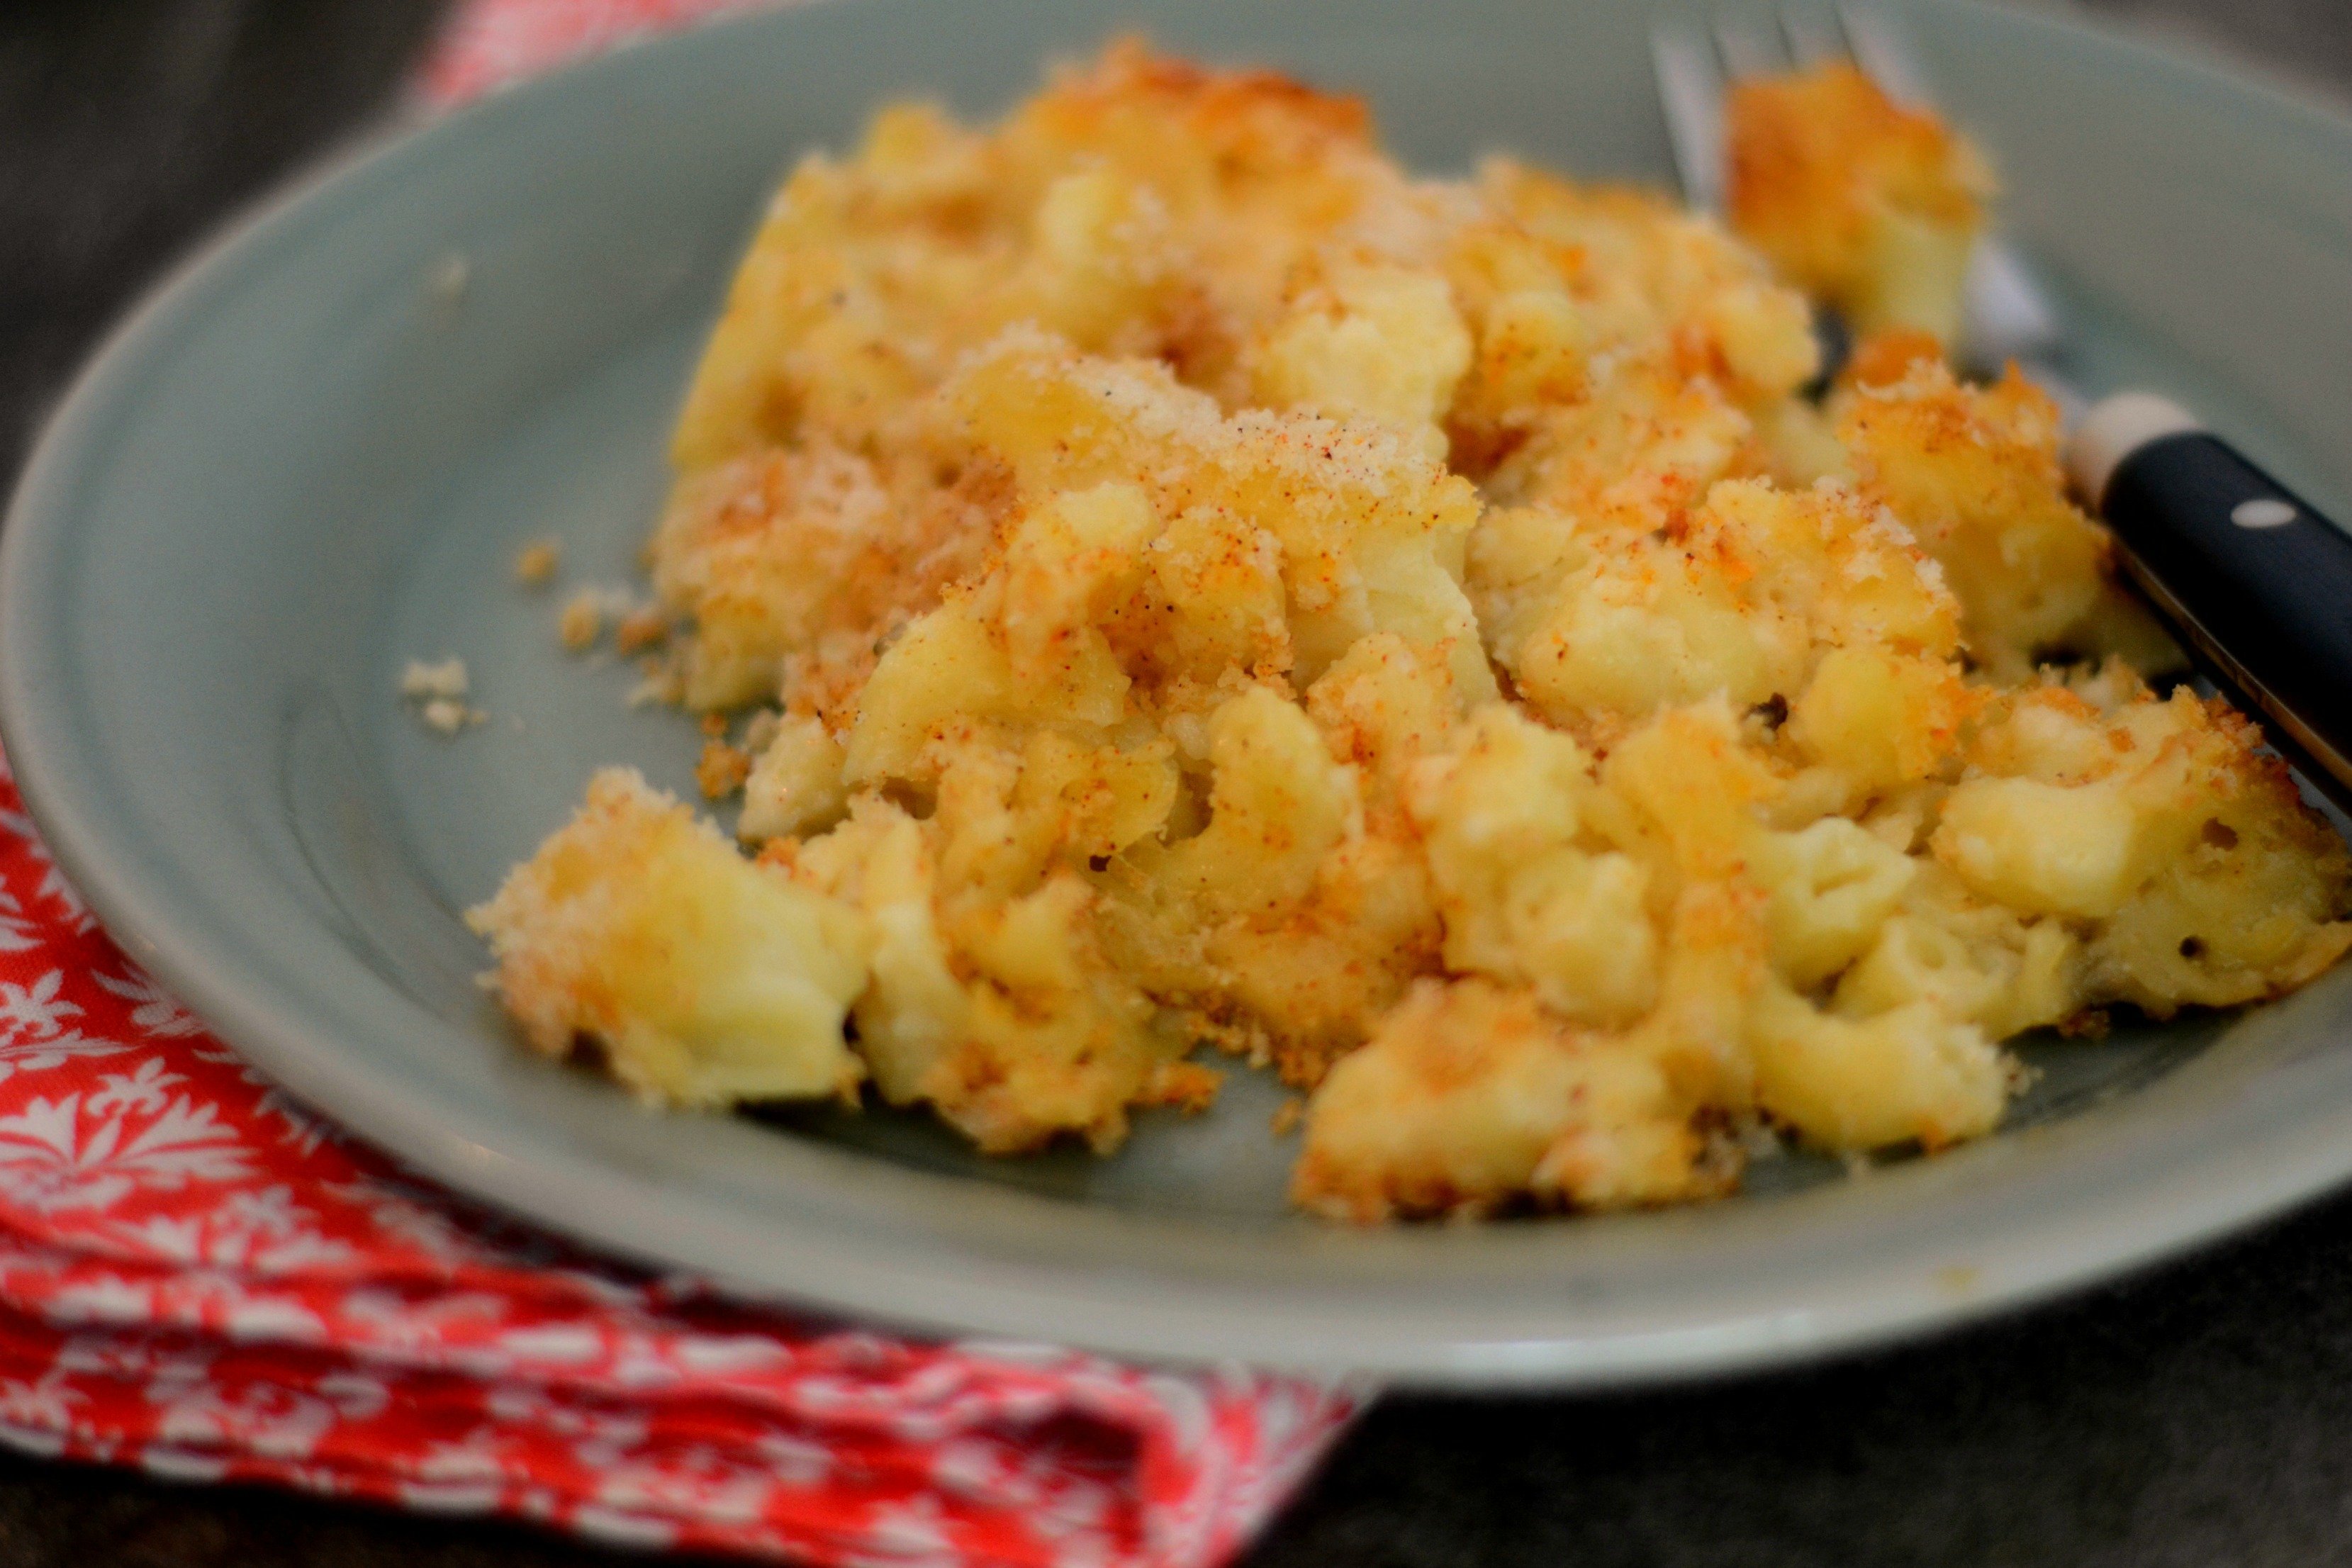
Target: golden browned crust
(1867,204)
(1197,585)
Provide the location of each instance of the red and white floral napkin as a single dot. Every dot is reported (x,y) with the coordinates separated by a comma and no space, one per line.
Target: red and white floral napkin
(488,44)
(199,1279)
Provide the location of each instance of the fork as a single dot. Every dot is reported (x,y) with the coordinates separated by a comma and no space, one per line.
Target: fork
(2250,576)
(2006,313)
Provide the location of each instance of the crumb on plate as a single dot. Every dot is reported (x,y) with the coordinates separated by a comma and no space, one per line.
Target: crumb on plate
(437,692)
(535,563)
(582,620)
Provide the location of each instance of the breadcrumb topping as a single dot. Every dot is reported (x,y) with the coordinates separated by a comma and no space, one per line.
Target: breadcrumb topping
(1196,586)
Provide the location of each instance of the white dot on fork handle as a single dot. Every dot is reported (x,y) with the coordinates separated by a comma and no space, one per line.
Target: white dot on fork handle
(2263,512)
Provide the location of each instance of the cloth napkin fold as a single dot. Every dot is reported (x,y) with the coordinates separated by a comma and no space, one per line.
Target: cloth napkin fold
(200,1277)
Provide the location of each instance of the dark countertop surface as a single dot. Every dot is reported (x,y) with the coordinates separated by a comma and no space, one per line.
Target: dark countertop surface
(2198,1416)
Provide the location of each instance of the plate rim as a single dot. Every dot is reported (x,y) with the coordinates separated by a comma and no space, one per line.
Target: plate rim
(581,1199)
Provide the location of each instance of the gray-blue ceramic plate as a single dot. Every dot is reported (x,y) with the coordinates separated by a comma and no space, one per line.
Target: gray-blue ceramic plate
(313,455)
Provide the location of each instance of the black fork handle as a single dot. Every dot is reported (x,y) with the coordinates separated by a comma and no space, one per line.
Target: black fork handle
(2255,581)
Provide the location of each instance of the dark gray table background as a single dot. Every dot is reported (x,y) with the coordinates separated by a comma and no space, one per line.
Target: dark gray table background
(2198,1416)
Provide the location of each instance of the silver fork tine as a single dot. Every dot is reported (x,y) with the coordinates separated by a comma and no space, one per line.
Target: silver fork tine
(1690,92)
(1883,54)
(1746,50)
(2005,315)
(1812,35)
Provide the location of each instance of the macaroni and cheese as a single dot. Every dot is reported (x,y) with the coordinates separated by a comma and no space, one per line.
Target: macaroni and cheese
(1173,584)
